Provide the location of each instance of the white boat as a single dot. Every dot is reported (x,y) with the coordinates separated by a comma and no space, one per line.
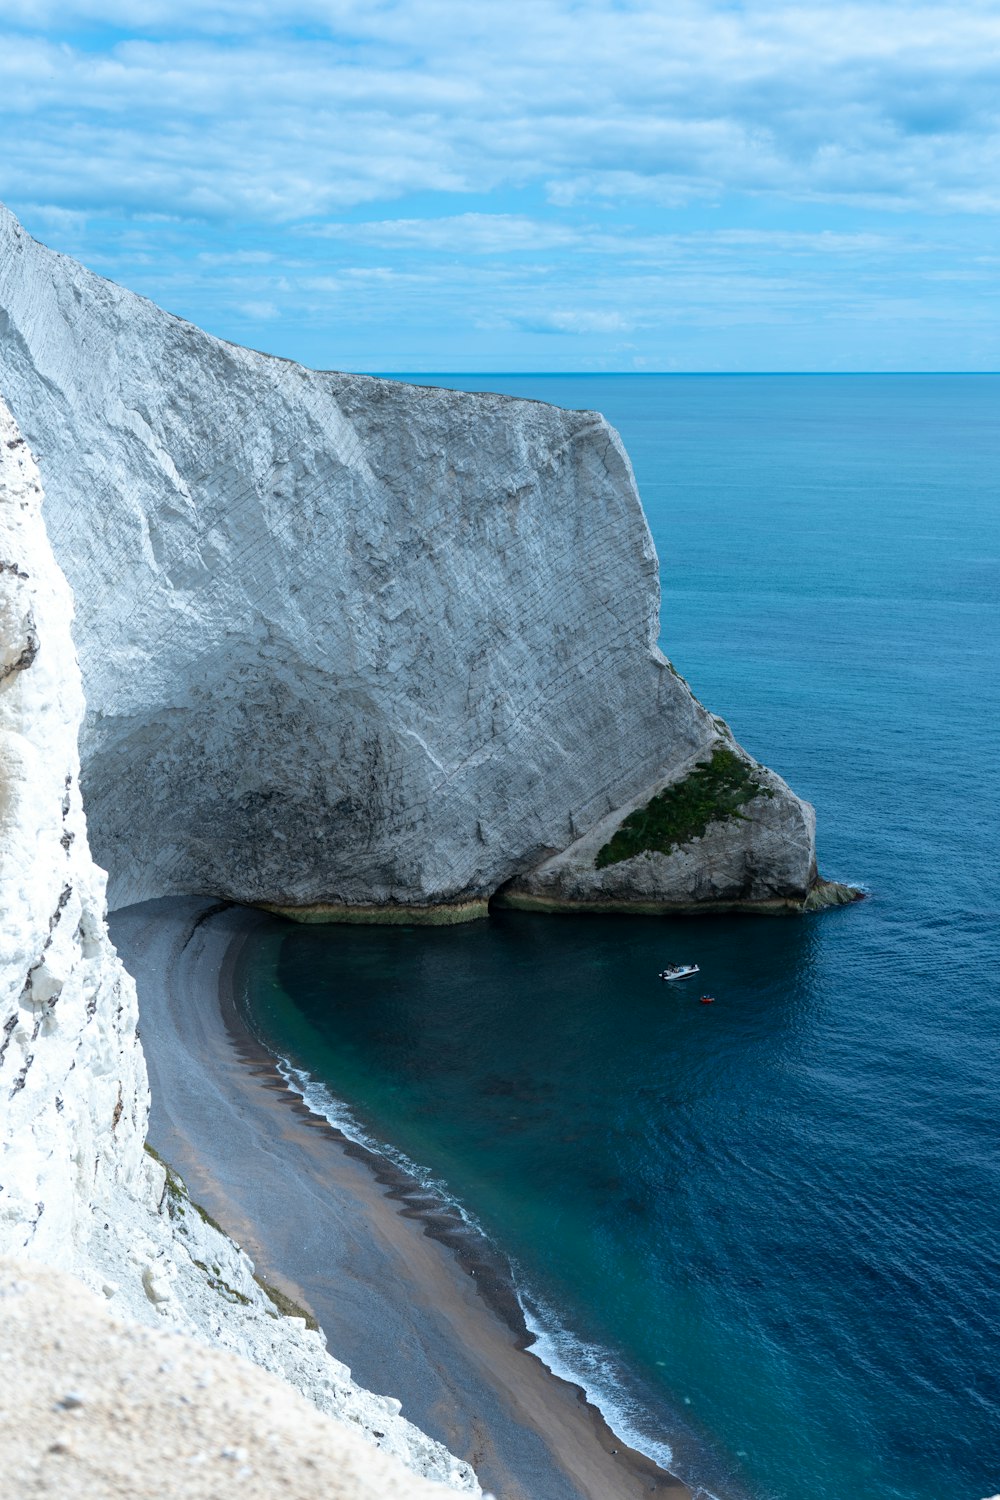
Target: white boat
(680,971)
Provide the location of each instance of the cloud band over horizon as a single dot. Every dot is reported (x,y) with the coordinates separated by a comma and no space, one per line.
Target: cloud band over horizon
(605,184)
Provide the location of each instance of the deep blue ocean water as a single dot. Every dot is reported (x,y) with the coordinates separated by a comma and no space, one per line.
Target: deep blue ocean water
(765,1231)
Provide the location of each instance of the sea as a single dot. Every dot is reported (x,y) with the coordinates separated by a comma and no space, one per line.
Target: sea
(763,1234)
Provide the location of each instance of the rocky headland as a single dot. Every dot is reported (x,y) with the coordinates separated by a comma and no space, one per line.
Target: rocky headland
(350,649)
(353,648)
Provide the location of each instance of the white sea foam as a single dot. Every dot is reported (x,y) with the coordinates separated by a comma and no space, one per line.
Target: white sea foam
(602,1380)
(596,1371)
(567,1356)
(326,1106)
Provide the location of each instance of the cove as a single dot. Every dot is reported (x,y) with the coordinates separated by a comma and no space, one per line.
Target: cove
(761,1229)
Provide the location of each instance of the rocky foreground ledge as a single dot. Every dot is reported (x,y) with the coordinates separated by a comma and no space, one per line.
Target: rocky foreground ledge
(103,1410)
(359,650)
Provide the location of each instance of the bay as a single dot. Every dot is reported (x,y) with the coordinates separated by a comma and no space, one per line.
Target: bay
(764,1231)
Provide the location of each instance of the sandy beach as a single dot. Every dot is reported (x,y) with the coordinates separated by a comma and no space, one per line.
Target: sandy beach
(415,1309)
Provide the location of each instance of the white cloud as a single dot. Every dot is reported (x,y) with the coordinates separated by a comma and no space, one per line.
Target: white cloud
(236,257)
(580,320)
(479,234)
(260,312)
(547,167)
(52,217)
(225,108)
(465,234)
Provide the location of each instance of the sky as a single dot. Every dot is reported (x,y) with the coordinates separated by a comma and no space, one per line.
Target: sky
(469,185)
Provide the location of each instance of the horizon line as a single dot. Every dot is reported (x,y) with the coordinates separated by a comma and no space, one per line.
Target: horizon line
(686,374)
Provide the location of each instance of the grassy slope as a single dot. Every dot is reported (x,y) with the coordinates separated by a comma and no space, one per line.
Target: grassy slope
(715,790)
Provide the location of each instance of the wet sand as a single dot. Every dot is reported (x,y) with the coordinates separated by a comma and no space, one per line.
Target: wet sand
(417,1307)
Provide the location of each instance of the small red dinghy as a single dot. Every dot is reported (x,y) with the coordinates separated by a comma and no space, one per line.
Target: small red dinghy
(707,1000)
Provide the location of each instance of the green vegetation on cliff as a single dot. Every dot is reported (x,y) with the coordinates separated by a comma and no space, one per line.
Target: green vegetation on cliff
(715,790)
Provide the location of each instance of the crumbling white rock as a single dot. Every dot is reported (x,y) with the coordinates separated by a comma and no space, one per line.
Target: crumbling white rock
(73,1090)
(100,1410)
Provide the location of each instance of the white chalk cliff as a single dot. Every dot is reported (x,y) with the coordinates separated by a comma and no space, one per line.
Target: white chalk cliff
(354,646)
(72,1077)
(78,1191)
(349,648)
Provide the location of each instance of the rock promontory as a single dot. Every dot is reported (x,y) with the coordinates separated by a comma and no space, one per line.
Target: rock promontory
(357,648)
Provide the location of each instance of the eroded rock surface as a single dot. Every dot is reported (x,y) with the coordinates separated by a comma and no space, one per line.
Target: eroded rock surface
(73,1091)
(347,642)
(759,854)
(99,1410)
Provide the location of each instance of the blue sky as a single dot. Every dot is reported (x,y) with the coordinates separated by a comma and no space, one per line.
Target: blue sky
(417,185)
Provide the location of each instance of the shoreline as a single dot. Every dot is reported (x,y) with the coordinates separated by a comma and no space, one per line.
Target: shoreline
(821,895)
(416,1303)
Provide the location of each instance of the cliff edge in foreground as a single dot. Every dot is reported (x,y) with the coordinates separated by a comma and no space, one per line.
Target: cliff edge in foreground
(359,648)
(99,1410)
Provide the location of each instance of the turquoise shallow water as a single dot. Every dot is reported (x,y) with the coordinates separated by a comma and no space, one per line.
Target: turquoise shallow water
(765,1230)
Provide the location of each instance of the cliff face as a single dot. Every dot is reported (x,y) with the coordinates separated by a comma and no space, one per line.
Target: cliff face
(348,642)
(717,833)
(77,1189)
(72,1076)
